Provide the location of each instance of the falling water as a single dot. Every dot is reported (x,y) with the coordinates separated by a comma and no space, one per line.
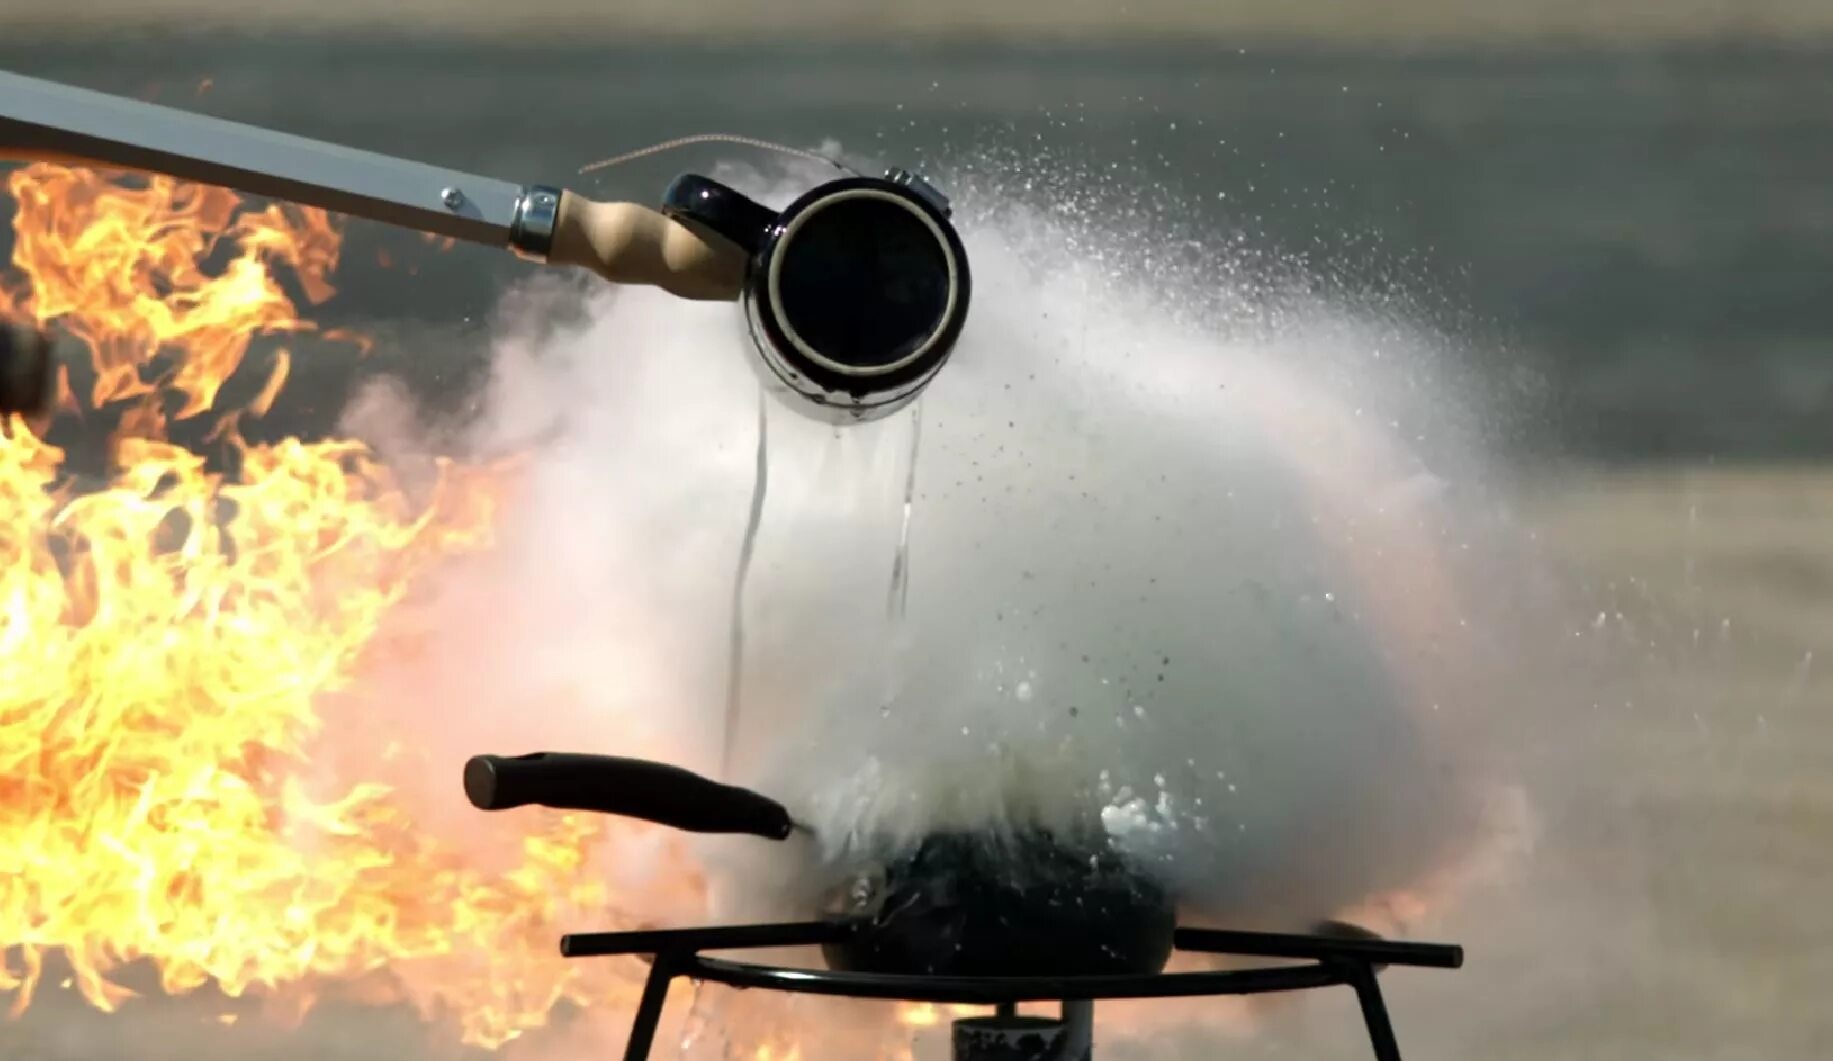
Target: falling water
(897,597)
(897,602)
(897,594)
(754,521)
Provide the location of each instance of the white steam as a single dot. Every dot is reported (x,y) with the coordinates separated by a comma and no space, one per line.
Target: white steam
(1201,587)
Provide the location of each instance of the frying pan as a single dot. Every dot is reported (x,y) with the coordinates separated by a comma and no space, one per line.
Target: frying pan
(1023,903)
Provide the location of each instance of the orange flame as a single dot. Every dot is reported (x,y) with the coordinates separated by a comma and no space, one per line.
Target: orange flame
(168,639)
(123,269)
(928,1014)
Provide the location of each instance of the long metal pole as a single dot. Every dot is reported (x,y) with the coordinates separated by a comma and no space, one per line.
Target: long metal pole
(43,119)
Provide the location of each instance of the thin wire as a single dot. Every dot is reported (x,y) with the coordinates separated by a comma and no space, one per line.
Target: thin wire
(703,138)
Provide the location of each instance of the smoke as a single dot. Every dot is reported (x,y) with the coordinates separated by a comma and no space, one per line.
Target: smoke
(1190,549)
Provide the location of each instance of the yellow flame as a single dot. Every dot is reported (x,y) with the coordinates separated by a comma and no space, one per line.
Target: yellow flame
(928,1014)
(123,267)
(169,636)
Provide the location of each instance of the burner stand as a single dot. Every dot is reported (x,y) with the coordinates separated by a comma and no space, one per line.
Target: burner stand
(1327,961)
(1006,1036)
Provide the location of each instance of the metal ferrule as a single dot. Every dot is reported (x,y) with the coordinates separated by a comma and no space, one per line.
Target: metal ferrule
(531,231)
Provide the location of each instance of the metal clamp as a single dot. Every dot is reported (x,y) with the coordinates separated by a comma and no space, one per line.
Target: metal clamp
(531,231)
(917,184)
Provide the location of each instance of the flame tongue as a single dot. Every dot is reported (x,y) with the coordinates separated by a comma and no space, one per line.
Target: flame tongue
(170,637)
(124,270)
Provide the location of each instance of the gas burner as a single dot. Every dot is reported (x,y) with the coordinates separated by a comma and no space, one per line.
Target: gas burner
(963,918)
(1339,955)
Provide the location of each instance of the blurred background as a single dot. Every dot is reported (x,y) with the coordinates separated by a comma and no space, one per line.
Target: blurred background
(1620,211)
(1630,197)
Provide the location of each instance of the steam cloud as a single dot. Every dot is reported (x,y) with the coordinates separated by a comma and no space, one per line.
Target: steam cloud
(1199,574)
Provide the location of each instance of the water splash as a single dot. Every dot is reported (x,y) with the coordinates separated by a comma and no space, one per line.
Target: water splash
(1225,577)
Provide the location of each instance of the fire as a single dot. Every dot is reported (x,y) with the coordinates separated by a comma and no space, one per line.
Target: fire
(928,1014)
(170,637)
(124,270)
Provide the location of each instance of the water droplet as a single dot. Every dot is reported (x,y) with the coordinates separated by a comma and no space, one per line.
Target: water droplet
(1024,692)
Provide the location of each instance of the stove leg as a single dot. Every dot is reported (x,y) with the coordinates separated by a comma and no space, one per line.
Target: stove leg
(1374,1012)
(649,1010)
(1078,1031)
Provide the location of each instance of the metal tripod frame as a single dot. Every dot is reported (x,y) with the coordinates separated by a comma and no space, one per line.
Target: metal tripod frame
(1327,962)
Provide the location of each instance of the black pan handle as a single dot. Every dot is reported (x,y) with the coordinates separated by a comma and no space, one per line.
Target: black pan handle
(630,788)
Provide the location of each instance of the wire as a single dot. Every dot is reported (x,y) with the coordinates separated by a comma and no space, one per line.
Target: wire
(702,138)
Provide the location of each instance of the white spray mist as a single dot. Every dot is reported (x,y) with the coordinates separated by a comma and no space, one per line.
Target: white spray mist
(1201,586)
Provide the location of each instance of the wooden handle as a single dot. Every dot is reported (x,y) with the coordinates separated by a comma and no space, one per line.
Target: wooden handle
(630,244)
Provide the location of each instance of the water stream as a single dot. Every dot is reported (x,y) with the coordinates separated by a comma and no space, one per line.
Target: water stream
(862,478)
(897,602)
(897,597)
(754,522)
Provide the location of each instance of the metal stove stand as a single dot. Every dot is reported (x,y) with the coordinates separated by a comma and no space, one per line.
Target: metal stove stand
(1327,961)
